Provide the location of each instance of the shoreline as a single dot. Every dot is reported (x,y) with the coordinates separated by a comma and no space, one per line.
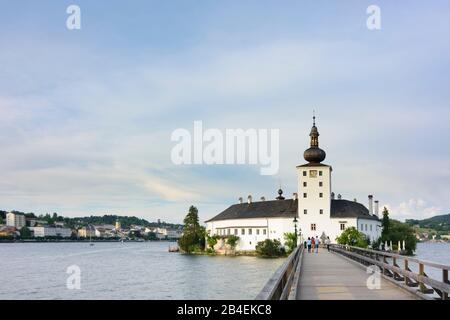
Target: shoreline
(79,241)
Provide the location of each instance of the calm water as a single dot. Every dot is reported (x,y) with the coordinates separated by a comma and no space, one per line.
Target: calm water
(127,271)
(142,271)
(435,252)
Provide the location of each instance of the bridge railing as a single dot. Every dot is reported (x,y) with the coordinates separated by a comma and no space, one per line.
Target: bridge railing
(389,263)
(279,285)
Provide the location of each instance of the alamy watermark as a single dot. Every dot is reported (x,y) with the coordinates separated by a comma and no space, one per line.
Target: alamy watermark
(374,280)
(373,21)
(73,281)
(73,21)
(234,146)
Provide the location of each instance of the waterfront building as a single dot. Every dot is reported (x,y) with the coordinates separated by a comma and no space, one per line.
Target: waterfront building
(314,206)
(33,222)
(173,234)
(117,226)
(6,231)
(16,220)
(86,232)
(46,231)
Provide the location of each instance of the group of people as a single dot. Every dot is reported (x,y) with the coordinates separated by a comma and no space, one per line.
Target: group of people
(313,243)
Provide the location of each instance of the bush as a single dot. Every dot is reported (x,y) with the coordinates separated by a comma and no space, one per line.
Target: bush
(212,240)
(353,237)
(290,241)
(270,248)
(232,241)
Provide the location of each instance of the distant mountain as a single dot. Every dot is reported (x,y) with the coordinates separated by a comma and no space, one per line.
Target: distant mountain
(438,223)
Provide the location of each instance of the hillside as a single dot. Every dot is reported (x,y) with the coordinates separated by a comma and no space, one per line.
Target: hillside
(125,221)
(438,223)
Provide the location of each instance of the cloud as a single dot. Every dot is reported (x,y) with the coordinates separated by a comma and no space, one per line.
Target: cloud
(86,129)
(413,209)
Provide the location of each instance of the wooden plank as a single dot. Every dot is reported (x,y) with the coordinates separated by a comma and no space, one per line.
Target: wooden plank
(328,276)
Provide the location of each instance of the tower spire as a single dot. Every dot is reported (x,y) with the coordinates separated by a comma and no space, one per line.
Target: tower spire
(314,154)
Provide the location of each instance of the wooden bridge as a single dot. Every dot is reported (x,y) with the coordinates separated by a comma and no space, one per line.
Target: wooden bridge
(348,273)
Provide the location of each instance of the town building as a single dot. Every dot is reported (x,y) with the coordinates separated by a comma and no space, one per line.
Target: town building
(314,207)
(46,231)
(173,234)
(117,225)
(86,232)
(6,231)
(16,220)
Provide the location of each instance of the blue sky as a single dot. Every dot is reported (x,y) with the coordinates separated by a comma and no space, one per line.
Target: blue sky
(86,116)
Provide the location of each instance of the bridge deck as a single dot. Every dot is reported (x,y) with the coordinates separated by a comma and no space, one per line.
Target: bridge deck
(329,276)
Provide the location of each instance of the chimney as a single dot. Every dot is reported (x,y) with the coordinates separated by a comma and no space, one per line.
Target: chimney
(332,195)
(263,198)
(241,200)
(370,204)
(249,199)
(295,196)
(339,196)
(376,208)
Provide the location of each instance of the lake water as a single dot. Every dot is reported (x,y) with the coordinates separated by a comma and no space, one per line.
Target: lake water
(141,271)
(127,271)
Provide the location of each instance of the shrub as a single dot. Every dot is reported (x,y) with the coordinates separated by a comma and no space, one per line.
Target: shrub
(270,248)
(232,241)
(212,240)
(353,237)
(290,241)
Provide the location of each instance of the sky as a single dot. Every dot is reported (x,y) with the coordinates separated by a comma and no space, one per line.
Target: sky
(86,116)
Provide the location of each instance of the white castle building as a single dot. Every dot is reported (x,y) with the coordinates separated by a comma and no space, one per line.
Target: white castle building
(314,206)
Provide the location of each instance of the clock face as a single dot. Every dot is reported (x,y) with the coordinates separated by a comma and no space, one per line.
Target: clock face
(313,173)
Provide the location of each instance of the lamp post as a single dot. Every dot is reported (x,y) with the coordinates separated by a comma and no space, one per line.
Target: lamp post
(295,228)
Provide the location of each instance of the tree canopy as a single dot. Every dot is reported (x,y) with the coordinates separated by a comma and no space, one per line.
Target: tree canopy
(353,237)
(193,238)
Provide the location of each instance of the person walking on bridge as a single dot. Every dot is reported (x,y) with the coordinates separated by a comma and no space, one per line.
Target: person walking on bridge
(308,243)
(327,242)
(317,243)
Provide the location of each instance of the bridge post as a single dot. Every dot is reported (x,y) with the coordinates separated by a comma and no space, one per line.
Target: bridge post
(422,274)
(445,280)
(407,280)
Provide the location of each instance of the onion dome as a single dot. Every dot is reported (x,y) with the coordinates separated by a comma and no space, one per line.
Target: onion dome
(314,154)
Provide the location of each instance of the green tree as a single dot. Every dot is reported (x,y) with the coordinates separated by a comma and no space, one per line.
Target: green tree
(191,240)
(270,248)
(352,237)
(400,231)
(385,223)
(290,241)
(25,233)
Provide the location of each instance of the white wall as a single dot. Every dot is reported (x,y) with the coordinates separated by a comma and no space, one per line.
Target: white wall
(15,220)
(51,232)
(269,228)
(371,228)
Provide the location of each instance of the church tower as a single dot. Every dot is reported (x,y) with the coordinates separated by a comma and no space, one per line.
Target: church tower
(314,190)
